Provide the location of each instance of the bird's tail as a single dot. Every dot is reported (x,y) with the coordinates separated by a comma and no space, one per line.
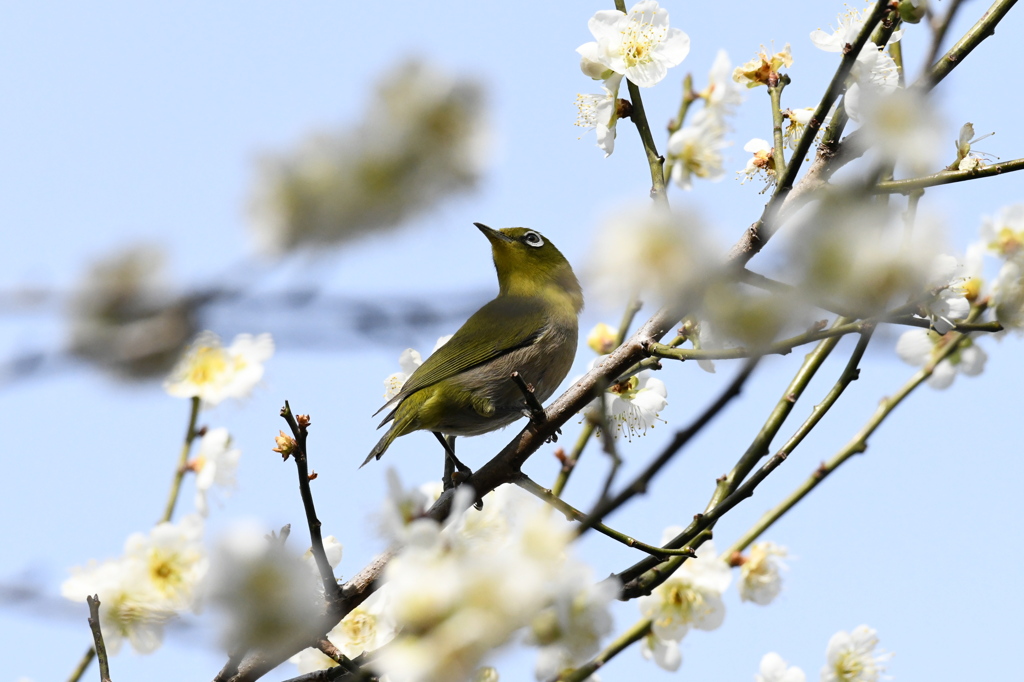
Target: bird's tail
(381,446)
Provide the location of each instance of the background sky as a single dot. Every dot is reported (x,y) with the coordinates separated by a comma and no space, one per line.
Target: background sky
(126,123)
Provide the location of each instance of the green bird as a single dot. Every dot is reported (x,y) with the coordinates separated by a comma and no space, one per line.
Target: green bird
(465,388)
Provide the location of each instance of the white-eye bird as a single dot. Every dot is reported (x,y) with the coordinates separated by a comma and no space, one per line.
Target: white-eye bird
(465,387)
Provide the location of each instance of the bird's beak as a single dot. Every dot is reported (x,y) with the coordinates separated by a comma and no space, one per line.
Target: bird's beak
(494,235)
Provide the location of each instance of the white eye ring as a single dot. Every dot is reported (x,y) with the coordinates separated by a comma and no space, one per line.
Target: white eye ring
(533,239)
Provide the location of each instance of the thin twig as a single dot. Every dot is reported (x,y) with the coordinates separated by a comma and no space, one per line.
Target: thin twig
(299,426)
(536,409)
(911,185)
(190,435)
(573,514)
(97,636)
(83,665)
(939,29)
(634,634)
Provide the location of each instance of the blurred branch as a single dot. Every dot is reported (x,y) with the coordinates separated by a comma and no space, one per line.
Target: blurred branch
(982,29)
(633,634)
(83,665)
(186,447)
(97,635)
(940,26)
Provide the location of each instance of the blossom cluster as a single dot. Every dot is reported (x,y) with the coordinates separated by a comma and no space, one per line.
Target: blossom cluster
(457,593)
(423,139)
(850,657)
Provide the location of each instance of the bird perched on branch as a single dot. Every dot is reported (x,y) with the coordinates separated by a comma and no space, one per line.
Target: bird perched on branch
(466,388)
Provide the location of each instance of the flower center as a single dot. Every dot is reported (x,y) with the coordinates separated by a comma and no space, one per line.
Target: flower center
(208,363)
(639,39)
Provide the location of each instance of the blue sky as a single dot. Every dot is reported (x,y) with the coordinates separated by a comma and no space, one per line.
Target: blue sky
(127,123)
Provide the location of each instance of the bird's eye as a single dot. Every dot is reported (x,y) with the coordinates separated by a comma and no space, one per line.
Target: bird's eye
(533,239)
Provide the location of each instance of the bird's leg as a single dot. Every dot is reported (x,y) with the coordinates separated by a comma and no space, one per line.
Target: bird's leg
(451,462)
(534,410)
(455,472)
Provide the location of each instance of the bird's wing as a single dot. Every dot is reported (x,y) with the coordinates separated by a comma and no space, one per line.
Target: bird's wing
(501,326)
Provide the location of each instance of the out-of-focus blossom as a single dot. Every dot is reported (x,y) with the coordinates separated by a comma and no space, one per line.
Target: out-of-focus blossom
(665,653)
(774,669)
(215,464)
(569,632)
(760,573)
(1003,233)
(920,347)
(155,580)
(1008,296)
(601,113)
(903,126)
(638,44)
(696,150)
(851,657)
(457,595)
(858,254)
(265,595)
(213,373)
(602,338)
(422,140)
(851,23)
(631,406)
(409,361)
(130,607)
(125,318)
(366,628)
(763,67)
(723,94)
(654,252)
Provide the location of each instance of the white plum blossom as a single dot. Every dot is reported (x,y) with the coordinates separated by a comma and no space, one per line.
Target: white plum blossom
(1003,233)
(759,70)
(213,373)
(409,361)
(130,608)
(665,653)
(761,163)
(874,73)
(155,580)
(638,44)
(920,347)
(172,557)
(423,138)
(264,593)
(691,597)
(1008,296)
(651,251)
(851,23)
(696,150)
(903,126)
(966,158)
(601,113)
(215,464)
(948,302)
(366,628)
(457,595)
(851,657)
(631,406)
(774,669)
(403,510)
(760,573)
(858,254)
(569,632)
(798,122)
(723,94)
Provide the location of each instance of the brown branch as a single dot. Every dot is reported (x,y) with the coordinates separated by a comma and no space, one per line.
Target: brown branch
(97,636)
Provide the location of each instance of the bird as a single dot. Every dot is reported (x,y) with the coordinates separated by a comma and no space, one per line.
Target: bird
(465,388)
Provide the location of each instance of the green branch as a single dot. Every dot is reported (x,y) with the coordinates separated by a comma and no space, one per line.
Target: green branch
(186,447)
(946,178)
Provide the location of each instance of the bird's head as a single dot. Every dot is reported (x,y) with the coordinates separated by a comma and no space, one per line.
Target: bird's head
(530,265)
